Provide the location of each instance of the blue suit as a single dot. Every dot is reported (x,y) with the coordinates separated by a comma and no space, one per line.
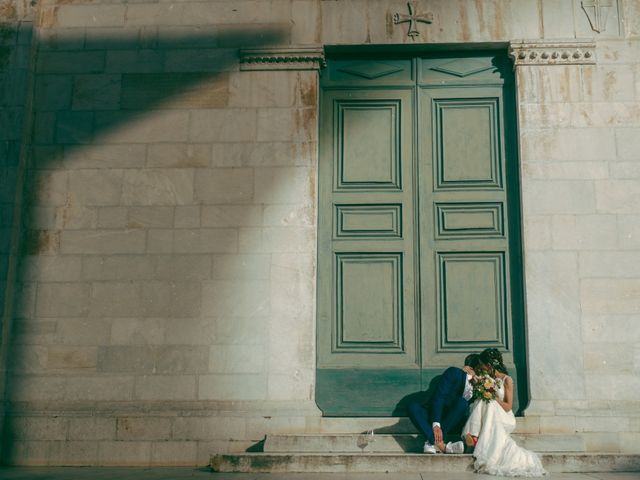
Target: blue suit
(446,406)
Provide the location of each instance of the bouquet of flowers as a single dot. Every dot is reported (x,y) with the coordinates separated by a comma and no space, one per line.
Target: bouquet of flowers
(485,387)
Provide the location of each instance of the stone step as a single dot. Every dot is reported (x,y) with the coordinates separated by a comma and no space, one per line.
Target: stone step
(401,443)
(406,462)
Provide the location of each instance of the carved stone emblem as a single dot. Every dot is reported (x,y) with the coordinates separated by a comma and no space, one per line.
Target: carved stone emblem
(413,19)
(597,12)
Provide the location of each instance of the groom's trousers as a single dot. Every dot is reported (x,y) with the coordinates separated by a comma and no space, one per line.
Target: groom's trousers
(453,417)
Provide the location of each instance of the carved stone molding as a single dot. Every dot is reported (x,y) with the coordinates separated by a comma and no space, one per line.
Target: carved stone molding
(282,58)
(558,52)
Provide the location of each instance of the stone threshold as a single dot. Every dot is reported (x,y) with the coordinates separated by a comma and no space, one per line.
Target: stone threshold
(560,462)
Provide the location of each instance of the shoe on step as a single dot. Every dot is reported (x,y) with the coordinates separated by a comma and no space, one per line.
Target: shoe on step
(428,448)
(457,447)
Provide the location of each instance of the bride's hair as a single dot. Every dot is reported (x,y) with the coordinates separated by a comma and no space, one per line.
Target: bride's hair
(493,358)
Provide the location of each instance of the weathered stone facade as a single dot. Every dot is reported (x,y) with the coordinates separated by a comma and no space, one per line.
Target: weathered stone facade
(165,294)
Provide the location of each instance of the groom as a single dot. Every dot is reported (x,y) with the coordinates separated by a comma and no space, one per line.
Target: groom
(447,408)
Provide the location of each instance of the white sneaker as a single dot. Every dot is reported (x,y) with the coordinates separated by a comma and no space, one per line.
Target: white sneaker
(428,448)
(457,447)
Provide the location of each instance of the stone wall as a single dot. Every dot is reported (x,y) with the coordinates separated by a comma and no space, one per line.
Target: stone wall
(579,134)
(166,286)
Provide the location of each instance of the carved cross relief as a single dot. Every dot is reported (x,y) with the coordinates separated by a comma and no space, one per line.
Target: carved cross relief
(597,12)
(413,19)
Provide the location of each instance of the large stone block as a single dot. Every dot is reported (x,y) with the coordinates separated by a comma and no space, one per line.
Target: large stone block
(128,294)
(179,155)
(182,359)
(102,241)
(218,240)
(143,428)
(96,187)
(103,388)
(558,197)
(610,328)
(206,428)
(628,143)
(229,12)
(74,127)
(609,386)
(241,267)
(158,187)
(232,387)
(192,331)
(37,428)
(71,62)
(62,299)
(537,232)
(241,330)
(118,267)
(617,196)
(175,90)
(137,331)
(127,359)
(584,232)
(553,304)
(187,216)
(174,453)
(609,264)
(82,331)
(105,156)
(183,267)
(134,61)
(237,359)
(154,14)
(202,59)
(289,215)
(609,358)
(263,89)
(136,127)
(49,187)
(244,298)
(553,84)
(568,144)
(625,170)
(96,92)
(231,215)
(567,170)
(150,217)
(53,92)
(287,387)
(76,217)
(610,296)
(165,387)
(71,358)
(608,83)
(284,185)
(286,124)
(73,453)
(228,125)
(51,268)
(224,186)
(263,154)
(92,428)
(124,454)
(629,231)
(90,15)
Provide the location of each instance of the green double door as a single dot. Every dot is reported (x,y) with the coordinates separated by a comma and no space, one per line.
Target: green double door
(419,231)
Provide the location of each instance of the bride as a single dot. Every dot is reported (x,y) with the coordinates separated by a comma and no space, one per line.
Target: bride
(489,425)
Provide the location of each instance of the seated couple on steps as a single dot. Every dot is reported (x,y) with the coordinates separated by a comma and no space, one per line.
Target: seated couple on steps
(487,422)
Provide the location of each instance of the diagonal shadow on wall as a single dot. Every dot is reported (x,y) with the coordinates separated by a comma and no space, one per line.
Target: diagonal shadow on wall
(98,104)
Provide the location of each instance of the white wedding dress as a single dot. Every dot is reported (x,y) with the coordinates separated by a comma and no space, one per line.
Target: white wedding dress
(496,453)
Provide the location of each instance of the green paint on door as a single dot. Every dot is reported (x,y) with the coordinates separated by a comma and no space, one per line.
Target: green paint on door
(419,230)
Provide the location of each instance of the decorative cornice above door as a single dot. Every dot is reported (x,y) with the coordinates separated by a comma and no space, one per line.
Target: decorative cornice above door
(282,58)
(557,52)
